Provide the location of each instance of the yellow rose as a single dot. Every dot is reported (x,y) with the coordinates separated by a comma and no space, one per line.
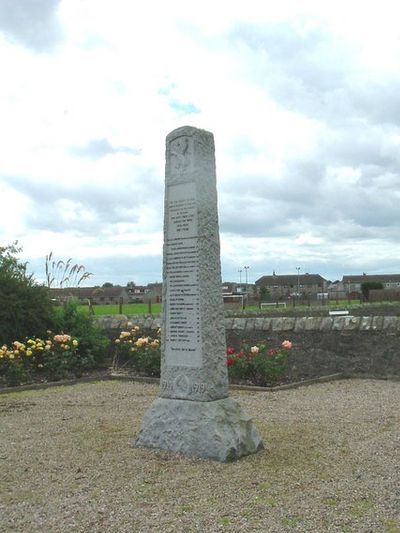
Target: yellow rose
(28,352)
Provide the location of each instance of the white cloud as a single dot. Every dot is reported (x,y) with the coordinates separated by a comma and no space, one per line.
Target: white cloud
(302,97)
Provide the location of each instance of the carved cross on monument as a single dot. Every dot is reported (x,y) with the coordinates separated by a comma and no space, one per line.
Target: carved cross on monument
(194,414)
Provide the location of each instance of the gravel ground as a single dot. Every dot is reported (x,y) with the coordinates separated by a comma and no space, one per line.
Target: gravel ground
(331,463)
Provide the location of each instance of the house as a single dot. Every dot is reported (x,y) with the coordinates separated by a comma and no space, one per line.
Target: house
(336,290)
(292,285)
(228,288)
(155,292)
(352,284)
(137,294)
(95,295)
(231,287)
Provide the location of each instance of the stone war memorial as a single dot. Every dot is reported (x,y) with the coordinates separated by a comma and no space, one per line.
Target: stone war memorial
(194,414)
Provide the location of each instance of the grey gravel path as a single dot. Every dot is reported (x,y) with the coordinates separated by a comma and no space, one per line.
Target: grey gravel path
(331,463)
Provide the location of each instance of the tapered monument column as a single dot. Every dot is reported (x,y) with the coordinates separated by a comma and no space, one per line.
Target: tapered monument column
(194,414)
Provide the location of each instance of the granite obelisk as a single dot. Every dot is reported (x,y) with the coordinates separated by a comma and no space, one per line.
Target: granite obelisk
(194,413)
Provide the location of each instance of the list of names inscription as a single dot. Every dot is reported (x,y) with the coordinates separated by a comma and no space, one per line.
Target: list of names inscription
(182,336)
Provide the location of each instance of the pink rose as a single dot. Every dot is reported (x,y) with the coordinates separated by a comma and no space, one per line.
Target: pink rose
(287,345)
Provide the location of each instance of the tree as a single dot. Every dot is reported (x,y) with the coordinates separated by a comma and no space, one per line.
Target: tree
(107,285)
(25,306)
(265,295)
(367,286)
(131,284)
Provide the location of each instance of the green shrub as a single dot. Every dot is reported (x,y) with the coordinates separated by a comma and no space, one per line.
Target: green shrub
(367,286)
(259,364)
(25,306)
(93,343)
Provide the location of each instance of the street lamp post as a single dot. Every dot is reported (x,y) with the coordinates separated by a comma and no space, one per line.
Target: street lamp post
(240,276)
(298,283)
(246,268)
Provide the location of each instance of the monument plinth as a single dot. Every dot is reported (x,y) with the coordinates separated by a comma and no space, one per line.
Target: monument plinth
(194,414)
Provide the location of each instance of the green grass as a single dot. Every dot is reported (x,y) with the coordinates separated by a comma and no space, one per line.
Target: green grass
(127,309)
(140,309)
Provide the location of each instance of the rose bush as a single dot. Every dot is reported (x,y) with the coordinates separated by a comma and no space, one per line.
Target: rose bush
(61,356)
(142,352)
(258,365)
(51,359)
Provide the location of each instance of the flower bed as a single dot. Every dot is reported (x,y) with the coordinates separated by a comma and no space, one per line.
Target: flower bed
(258,365)
(50,359)
(137,351)
(59,357)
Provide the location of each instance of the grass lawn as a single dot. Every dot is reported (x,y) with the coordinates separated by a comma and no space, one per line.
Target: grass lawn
(127,309)
(138,308)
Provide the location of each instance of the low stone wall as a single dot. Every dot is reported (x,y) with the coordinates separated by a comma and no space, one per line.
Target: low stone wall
(358,345)
(363,309)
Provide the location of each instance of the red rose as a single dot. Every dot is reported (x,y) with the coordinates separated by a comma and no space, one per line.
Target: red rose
(230,350)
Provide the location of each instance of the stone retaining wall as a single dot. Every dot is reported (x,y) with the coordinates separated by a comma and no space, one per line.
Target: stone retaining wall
(358,345)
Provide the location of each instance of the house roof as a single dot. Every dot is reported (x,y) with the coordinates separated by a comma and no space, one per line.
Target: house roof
(291,279)
(384,278)
(88,292)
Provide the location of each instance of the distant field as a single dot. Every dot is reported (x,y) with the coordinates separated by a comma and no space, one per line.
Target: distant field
(127,309)
(139,309)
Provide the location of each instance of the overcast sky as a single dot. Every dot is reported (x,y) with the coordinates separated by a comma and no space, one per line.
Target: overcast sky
(303,98)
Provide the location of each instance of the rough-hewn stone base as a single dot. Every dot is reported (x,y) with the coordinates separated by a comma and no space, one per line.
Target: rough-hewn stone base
(218,430)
